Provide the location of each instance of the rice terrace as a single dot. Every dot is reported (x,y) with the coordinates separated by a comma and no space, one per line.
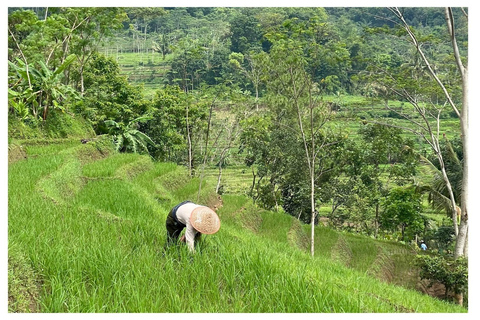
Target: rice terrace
(237,160)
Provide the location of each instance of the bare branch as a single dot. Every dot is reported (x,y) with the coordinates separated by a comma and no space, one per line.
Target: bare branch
(397,12)
(451,31)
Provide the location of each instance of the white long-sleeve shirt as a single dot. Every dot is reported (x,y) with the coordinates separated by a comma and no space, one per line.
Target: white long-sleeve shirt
(183,215)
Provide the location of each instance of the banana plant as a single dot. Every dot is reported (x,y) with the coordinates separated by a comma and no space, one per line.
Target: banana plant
(127,137)
(46,89)
(17,103)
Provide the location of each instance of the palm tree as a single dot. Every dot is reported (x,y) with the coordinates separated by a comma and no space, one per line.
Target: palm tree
(438,196)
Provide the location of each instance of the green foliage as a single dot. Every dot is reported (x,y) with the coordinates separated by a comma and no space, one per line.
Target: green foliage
(63,125)
(444,236)
(246,34)
(43,88)
(453,273)
(438,196)
(48,55)
(109,96)
(402,208)
(335,42)
(364,170)
(58,125)
(127,137)
(171,107)
(168,128)
(265,62)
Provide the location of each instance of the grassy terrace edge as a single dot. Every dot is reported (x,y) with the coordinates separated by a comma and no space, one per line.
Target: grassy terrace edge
(86,234)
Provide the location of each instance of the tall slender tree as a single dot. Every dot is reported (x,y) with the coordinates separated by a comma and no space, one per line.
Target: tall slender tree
(298,98)
(461,247)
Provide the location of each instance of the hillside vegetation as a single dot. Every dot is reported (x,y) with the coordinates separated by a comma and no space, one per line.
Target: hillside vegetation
(277,117)
(86,234)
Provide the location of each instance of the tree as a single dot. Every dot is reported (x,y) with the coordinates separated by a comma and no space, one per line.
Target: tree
(461,247)
(256,144)
(229,132)
(402,208)
(91,26)
(253,71)
(145,15)
(167,129)
(180,120)
(298,106)
(187,64)
(109,96)
(345,189)
(438,192)
(385,153)
(246,34)
(163,45)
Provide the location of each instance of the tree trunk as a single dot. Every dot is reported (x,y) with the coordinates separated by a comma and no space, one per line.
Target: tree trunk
(206,150)
(461,245)
(462,233)
(219,177)
(82,85)
(458,298)
(312,203)
(450,192)
(256,97)
(45,110)
(189,140)
(462,114)
(253,184)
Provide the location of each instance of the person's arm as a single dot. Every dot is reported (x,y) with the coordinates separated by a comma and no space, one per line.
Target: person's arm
(190,233)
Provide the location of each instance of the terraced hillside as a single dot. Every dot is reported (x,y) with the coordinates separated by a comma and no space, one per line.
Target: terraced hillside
(86,234)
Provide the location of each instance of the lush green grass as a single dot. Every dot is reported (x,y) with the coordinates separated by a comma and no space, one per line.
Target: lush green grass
(88,236)
(57,126)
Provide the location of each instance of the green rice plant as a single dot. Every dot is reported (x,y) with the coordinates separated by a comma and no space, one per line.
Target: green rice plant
(275,225)
(23,288)
(130,170)
(48,147)
(363,249)
(102,250)
(64,183)
(107,167)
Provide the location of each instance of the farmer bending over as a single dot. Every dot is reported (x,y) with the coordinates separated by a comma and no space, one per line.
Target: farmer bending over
(195,218)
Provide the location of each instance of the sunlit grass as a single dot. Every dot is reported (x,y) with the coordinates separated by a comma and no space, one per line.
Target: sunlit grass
(108,166)
(101,249)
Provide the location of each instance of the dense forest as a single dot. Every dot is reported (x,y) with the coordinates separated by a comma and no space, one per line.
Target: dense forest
(355,118)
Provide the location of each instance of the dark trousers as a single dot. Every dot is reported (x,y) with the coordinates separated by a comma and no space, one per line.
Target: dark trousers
(174,228)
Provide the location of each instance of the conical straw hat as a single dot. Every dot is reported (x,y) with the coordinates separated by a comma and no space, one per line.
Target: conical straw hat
(205,220)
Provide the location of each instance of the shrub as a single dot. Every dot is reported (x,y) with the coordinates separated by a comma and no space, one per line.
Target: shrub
(452,273)
(444,237)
